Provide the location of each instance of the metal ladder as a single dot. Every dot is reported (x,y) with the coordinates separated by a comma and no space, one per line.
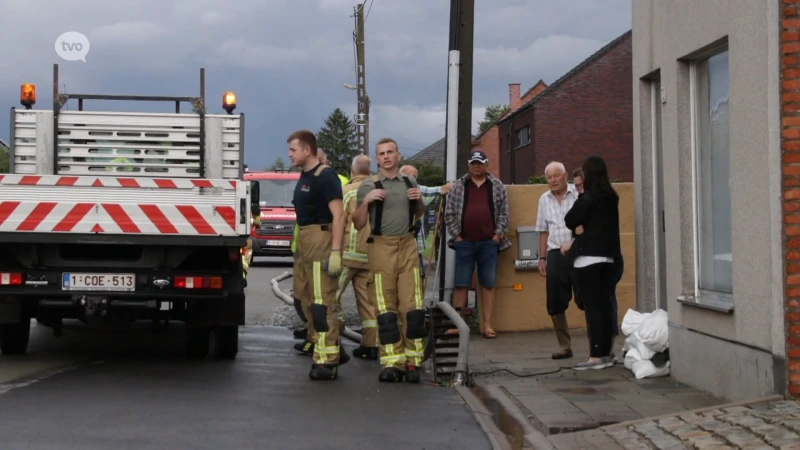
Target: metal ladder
(442,347)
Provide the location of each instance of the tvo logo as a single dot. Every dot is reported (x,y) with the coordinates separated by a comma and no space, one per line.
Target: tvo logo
(72,46)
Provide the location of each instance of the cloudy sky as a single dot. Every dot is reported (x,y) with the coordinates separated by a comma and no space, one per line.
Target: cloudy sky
(287,59)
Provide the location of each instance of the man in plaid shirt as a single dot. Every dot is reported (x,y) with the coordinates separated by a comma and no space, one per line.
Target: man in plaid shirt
(429,194)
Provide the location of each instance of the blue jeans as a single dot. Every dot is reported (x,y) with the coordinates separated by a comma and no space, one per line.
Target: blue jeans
(470,254)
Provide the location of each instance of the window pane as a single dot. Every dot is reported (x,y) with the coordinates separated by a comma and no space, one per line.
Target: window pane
(716,259)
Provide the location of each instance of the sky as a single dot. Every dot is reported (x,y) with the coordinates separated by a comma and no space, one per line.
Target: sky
(287,60)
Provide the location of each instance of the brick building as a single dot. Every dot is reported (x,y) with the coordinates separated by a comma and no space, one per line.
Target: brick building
(717,168)
(489,140)
(588,111)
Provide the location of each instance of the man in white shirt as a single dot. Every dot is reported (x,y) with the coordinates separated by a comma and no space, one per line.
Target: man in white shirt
(553,206)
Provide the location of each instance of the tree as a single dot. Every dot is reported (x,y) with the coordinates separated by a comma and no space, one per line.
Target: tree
(4,163)
(338,138)
(278,165)
(493,114)
(429,174)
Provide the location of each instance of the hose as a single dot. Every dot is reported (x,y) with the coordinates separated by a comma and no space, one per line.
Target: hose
(276,289)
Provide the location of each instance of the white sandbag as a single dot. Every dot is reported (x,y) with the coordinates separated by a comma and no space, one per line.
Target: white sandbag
(631,357)
(631,321)
(654,331)
(635,343)
(646,369)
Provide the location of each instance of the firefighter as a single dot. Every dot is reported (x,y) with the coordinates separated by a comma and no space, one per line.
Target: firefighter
(391,203)
(354,260)
(306,347)
(320,219)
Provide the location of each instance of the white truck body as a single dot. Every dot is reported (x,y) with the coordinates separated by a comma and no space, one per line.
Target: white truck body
(155,191)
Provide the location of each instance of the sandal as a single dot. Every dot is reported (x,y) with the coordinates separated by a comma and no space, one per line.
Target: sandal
(489,334)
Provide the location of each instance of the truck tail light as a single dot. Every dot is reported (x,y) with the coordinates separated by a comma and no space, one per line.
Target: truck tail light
(10,279)
(198,282)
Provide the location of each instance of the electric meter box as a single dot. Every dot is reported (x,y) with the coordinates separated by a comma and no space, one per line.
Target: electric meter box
(528,243)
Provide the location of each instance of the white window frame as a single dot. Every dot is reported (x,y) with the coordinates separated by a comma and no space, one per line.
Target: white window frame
(700,295)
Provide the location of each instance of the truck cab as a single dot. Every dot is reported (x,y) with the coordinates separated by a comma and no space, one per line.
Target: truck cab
(273,235)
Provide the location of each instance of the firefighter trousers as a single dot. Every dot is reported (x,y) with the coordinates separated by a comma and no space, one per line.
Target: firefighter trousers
(366,308)
(395,287)
(318,294)
(301,289)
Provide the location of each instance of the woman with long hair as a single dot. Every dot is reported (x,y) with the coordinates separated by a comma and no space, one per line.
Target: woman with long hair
(596,212)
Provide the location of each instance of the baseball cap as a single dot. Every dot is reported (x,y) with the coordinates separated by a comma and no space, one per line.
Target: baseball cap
(478,155)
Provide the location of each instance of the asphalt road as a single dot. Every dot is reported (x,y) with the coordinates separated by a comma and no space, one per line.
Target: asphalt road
(136,390)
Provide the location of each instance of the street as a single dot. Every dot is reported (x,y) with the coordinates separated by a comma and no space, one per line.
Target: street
(136,390)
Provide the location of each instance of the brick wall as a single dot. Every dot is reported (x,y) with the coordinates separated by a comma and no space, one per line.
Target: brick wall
(489,141)
(589,113)
(790,154)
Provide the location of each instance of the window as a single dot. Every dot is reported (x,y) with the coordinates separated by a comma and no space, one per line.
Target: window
(508,143)
(523,136)
(712,180)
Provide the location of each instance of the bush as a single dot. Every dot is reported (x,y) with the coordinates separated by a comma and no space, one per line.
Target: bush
(537,179)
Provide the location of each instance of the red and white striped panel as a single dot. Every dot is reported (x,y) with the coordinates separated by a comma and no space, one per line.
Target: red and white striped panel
(117,182)
(116,218)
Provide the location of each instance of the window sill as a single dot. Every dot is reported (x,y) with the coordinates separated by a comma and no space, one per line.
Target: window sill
(709,303)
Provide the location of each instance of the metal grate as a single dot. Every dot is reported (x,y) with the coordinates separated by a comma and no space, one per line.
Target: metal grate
(126,144)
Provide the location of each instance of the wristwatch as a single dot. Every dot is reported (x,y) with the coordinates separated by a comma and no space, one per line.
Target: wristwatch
(543,258)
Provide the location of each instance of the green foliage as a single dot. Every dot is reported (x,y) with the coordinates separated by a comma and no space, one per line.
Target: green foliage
(493,114)
(278,165)
(338,138)
(4,162)
(430,174)
(537,179)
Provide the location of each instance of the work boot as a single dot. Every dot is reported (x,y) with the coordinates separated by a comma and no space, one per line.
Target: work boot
(305,348)
(412,375)
(323,372)
(344,358)
(363,352)
(391,375)
(301,333)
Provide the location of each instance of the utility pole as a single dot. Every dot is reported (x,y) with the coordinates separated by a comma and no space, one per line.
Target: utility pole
(462,29)
(362,118)
(459,119)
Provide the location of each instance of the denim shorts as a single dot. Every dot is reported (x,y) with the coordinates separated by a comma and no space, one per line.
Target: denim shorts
(482,254)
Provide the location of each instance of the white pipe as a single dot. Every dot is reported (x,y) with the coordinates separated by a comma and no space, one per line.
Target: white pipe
(451,150)
(276,289)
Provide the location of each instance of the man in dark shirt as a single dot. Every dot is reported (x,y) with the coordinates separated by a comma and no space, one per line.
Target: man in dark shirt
(477,217)
(320,218)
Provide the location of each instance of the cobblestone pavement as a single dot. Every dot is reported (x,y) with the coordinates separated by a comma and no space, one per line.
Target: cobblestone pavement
(761,426)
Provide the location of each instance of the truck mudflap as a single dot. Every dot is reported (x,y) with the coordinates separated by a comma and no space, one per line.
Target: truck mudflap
(120,205)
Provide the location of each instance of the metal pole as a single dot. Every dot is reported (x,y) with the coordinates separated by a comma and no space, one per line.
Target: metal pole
(464,42)
(451,160)
(362,122)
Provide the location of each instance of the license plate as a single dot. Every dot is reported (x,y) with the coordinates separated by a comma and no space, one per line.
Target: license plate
(98,282)
(279,243)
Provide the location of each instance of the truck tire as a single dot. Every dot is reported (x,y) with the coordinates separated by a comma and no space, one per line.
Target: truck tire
(227,342)
(197,342)
(14,337)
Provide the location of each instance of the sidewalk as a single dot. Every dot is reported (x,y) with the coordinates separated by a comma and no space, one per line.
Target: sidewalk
(610,409)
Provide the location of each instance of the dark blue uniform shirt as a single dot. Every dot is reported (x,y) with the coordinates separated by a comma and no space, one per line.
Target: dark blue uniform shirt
(312,195)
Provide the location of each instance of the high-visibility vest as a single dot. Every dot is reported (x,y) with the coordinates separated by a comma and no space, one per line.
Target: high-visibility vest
(123,161)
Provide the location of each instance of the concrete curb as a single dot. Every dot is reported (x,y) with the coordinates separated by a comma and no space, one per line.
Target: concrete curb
(484,418)
(533,436)
(755,401)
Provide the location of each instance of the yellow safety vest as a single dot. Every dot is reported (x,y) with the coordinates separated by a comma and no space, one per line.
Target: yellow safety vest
(123,161)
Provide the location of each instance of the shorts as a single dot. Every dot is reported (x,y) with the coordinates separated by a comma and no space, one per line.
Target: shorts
(470,254)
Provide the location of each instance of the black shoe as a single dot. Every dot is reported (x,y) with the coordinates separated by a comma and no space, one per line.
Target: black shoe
(322,372)
(412,375)
(371,353)
(563,355)
(391,375)
(302,333)
(344,358)
(305,348)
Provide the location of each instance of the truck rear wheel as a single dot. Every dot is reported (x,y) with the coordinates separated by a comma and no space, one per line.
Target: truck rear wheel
(14,337)
(227,342)
(197,342)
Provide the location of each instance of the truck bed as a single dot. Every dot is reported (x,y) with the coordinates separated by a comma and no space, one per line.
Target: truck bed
(44,207)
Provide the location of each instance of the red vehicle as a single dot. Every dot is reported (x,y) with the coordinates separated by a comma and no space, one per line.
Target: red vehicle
(273,237)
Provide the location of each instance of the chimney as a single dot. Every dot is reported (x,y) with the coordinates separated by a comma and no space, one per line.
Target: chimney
(514,101)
